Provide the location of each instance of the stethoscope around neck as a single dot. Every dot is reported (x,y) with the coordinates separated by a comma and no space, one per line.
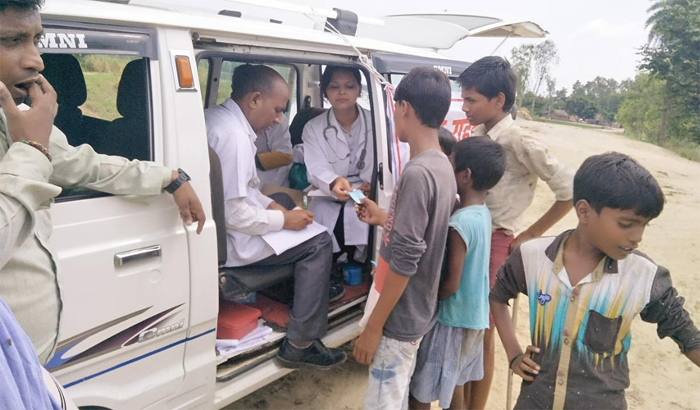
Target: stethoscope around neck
(361,163)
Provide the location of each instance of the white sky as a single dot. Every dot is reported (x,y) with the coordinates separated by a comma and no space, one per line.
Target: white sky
(594,37)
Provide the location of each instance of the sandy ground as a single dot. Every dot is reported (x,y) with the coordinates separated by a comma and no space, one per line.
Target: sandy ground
(660,376)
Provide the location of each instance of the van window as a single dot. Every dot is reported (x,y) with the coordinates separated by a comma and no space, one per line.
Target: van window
(102,74)
(103,87)
(287,71)
(203,68)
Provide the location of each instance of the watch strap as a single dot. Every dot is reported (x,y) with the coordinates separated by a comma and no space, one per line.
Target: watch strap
(182,177)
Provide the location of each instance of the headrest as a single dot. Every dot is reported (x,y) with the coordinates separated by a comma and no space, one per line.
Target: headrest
(63,72)
(297,126)
(132,95)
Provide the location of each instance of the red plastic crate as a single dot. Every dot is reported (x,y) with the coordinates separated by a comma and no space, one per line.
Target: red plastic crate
(236,320)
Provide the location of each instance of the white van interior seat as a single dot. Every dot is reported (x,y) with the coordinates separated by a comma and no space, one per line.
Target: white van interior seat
(129,136)
(234,281)
(296,128)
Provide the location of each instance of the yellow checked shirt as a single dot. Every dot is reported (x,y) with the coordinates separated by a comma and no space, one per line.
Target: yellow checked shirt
(584,331)
(527,160)
(29,279)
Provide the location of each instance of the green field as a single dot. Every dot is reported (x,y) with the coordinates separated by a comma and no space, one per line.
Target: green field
(102,95)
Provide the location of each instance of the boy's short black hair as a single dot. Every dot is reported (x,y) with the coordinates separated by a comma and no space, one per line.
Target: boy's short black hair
(447,140)
(428,91)
(21,4)
(616,181)
(327,76)
(248,78)
(490,76)
(485,157)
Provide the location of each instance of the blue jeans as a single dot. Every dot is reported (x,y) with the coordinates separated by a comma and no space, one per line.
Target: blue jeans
(390,374)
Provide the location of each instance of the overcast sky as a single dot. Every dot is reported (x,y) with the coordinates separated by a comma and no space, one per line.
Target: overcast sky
(594,37)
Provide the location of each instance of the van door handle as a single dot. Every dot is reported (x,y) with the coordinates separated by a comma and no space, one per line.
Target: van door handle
(123,258)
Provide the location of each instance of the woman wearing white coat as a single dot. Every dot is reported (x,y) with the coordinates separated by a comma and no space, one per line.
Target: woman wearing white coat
(339,157)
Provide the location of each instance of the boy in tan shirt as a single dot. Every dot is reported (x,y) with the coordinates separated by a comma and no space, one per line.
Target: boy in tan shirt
(488,90)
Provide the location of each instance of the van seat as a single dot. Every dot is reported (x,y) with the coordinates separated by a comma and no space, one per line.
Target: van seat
(63,72)
(234,281)
(129,136)
(296,128)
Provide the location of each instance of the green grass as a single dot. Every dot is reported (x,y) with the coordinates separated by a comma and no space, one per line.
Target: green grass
(102,95)
(685,149)
(570,124)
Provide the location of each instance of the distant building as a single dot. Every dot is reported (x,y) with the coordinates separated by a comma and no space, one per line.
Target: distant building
(557,115)
(597,120)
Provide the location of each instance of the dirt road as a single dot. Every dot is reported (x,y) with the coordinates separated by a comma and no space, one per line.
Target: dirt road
(660,376)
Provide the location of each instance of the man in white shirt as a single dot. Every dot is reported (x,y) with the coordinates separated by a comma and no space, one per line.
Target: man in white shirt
(274,156)
(256,105)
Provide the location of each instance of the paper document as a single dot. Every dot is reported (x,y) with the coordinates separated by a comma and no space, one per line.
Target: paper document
(317,193)
(257,337)
(285,239)
(255,334)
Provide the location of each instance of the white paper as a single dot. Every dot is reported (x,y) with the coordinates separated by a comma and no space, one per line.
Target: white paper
(257,333)
(317,193)
(285,239)
(257,337)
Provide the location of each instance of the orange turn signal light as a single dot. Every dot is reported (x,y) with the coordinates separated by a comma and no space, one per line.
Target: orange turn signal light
(184,72)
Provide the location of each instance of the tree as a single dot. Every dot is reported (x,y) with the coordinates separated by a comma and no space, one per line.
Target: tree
(604,93)
(672,54)
(560,99)
(582,107)
(521,61)
(641,111)
(551,90)
(545,56)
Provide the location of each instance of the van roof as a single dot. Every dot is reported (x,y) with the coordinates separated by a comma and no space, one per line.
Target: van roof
(221,27)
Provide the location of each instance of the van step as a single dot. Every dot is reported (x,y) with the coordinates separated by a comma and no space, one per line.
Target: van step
(241,364)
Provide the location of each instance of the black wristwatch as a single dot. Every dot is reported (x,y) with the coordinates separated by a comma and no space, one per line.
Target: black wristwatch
(182,177)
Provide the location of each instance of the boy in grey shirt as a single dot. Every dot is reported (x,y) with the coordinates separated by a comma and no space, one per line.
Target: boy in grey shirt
(413,243)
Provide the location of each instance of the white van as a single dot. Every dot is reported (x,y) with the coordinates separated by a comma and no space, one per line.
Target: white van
(140,290)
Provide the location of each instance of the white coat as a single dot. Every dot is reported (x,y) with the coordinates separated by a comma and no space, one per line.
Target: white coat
(230,135)
(276,138)
(337,155)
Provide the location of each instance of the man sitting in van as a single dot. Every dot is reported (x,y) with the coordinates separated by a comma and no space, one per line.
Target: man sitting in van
(274,156)
(256,105)
(29,281)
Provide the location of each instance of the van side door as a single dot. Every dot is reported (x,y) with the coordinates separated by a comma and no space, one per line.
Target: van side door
(124,262)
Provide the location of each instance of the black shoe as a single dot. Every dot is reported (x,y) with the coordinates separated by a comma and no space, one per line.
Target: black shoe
(336,291)
(317,355)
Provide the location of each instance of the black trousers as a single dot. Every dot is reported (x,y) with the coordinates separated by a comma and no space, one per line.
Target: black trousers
(312,267)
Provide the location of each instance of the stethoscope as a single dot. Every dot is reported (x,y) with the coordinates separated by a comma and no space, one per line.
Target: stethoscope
(361,163)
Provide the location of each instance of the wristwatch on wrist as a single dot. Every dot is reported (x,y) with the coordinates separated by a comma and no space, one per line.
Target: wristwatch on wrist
(182,177)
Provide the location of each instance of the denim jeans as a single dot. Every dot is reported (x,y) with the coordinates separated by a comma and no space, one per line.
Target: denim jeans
(390,374)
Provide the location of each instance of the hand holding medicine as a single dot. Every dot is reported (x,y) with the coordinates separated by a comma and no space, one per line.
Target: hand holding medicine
(357,196)
(369,212)
(366,187)
(340,188)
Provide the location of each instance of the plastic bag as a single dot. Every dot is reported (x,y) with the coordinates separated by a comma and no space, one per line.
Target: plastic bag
(297,177)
